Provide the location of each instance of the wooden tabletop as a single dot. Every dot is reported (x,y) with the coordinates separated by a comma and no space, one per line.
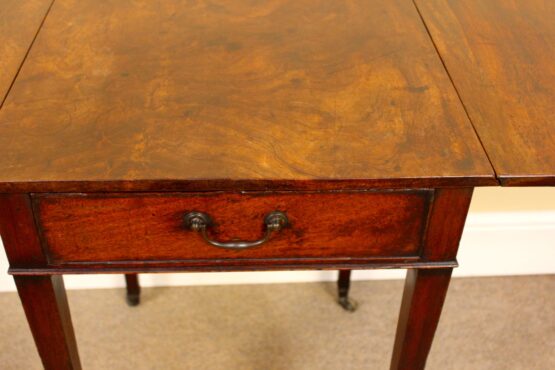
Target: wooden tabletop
(501,57)
(19,23)
(235,94)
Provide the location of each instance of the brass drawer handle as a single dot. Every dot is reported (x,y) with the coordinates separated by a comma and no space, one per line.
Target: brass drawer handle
(200,221)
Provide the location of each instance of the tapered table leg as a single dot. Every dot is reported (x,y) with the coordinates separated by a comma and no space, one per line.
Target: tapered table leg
(133,289)
(343,285)
(423,297)
(45,304)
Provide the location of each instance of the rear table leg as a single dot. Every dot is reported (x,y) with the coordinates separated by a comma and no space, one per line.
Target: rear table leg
(343,285)
(133,289)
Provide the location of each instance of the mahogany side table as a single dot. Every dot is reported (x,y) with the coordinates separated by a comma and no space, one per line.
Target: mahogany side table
(231,136)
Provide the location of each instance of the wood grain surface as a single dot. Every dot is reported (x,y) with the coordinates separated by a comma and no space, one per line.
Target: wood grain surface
(19,23)
(19,233)
(143,95)
(149,227)
(500,54)
(423,298)
(45,304)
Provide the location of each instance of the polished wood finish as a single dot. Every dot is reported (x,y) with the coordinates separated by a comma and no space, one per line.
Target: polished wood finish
(126,115)
(45,304)
(19,233)
(500,56)
(19,23)
(43,297)
(425,289)
(244,185)
(423,298)
(149,227)
(278,264)
(446,223)
(293,93)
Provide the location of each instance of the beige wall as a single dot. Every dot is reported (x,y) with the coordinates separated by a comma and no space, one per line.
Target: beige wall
(496,199)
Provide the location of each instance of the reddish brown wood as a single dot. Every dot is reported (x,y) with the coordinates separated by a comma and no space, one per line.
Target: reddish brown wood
(425,290)
(15,210)
(446,223)
(19,23)
(281,95)
(206,185)
(19,233)
(132,267)
(500,55)
(123,97)
(421,306)
(149,227)
(43,297)
(45,304)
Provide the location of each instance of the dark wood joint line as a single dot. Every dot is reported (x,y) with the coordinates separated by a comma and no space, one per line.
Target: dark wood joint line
(40,230)
(446,223)
(3,98)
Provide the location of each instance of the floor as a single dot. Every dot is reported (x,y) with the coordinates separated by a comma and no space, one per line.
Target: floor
(488,323)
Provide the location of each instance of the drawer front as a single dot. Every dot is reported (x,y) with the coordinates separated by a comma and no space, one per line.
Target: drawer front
(151,227)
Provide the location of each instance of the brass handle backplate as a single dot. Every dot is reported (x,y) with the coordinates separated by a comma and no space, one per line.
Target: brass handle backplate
(200,222)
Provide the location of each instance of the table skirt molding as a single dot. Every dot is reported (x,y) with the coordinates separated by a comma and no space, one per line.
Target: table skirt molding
(487,235)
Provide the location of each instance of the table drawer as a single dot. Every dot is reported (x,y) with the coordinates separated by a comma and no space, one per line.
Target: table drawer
(151,227)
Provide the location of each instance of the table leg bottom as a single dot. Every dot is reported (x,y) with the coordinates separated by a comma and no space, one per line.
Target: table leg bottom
(343,286)
(423,297)
(133,296)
